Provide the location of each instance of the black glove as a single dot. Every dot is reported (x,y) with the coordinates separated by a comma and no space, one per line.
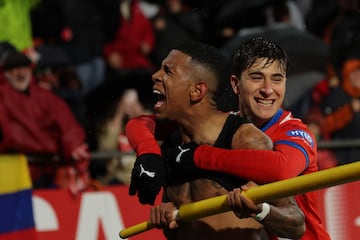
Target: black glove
(147,177)
(182,160)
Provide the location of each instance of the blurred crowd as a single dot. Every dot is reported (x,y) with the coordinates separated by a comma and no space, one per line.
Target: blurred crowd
(83,68)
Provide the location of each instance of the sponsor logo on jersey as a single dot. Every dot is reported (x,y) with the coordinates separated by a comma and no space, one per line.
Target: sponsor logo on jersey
(298,133)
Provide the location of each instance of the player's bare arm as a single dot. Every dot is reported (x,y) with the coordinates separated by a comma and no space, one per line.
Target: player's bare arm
(248,136)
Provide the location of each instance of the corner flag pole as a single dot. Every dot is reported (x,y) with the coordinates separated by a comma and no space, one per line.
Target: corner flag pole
(263,193)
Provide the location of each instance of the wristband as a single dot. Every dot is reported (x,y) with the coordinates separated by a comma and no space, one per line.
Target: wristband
(265,211)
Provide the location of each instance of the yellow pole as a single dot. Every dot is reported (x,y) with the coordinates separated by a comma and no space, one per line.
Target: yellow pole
(267,192)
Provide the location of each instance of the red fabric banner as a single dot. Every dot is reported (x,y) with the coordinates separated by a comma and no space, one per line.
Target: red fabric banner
(101,215)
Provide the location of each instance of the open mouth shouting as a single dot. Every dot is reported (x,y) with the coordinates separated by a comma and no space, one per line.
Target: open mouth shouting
(160,99)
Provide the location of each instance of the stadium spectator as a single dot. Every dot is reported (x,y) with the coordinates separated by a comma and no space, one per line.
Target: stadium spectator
(134,39)
(342,106)
(15,23)
(111,137)
(36,122)
(78,28)
(175,23)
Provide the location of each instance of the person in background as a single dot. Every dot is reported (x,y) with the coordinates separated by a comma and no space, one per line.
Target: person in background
(77,30)
(341,106)
(127,54)
(134,39)
(314,119)
(111,137)
(15,23)
(174,23)
(39,124)
(65,83)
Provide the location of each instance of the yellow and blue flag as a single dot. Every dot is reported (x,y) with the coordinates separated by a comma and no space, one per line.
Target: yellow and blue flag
(16,218)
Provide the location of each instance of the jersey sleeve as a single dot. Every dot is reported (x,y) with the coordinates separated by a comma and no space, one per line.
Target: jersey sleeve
(294,152)
(140,133)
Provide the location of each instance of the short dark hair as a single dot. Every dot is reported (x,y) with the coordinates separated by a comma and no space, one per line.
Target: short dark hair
(211,58)
(255,48)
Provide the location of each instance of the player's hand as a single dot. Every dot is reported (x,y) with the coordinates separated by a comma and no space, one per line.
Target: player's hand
(81,156)
(147,177)
(241,205)
(163,215)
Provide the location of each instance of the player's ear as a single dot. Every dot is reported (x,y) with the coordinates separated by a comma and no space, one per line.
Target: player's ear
(199,91)
(235,84)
